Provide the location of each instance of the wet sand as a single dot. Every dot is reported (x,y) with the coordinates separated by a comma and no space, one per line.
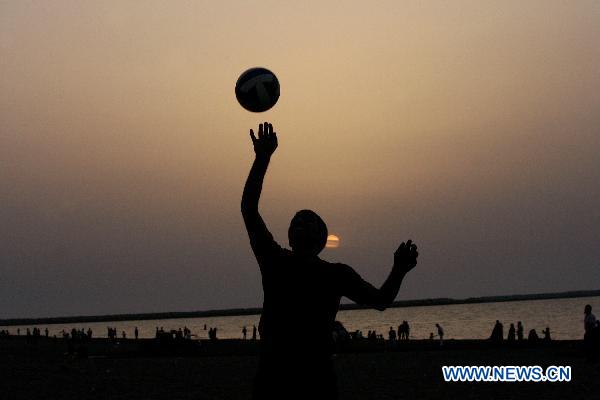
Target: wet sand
(224,370)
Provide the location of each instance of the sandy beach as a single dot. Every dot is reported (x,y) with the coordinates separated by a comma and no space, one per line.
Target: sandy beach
(224,370)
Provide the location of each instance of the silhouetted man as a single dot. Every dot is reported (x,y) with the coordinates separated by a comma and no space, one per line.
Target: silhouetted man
(589,324)
(497,332)
(392,335)
(300,289)
(546,333)
(589,321)
(511,333)
(519,331)
(440,331)
(532,337)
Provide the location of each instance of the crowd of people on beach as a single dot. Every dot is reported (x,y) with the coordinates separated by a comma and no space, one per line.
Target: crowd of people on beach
(516,334)
(402,333)
(78,334)
(177,334)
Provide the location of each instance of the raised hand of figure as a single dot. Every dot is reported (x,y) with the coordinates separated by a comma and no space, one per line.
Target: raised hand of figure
(266,143)
(405,257)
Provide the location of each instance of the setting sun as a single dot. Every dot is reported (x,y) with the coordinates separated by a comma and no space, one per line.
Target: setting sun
(333,242)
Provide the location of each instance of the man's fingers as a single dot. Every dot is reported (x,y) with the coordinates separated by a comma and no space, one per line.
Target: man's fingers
(252,136)
(407,246)
(400,248)
(260,131)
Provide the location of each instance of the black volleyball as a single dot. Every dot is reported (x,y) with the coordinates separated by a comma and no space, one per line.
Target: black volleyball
(257,89)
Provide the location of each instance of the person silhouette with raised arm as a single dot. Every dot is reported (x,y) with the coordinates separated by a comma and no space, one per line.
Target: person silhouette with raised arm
(300,289)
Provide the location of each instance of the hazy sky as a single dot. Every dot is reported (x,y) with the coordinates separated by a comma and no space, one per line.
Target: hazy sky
(472,127)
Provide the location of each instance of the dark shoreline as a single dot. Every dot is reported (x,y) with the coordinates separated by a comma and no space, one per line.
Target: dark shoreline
(102,369)
(256,311)
(118,348)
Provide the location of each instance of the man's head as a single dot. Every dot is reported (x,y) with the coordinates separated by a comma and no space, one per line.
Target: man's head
(307,233)
(587,310)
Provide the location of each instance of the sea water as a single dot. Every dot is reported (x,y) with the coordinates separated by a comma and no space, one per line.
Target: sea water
(564,317)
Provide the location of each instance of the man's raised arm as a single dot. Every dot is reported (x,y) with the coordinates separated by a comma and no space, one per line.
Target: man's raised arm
(362,292)
(264,147)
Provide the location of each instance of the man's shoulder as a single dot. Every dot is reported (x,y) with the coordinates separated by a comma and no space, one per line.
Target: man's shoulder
(335,265)
(339,269)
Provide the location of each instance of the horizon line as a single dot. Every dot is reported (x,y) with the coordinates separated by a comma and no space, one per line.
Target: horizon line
(257,310)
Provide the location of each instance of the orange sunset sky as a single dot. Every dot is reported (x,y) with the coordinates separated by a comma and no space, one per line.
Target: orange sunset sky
(472,127)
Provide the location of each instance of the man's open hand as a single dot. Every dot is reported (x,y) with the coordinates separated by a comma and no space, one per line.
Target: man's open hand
(405,258)
(266,143)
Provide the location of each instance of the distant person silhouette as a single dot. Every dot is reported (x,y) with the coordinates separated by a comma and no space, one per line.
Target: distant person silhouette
(244,332)
(392,336)
(519,331)
(546,333)
(253,332)
(440,331)
(596,339)
(589,322)
(533,336)
(497,332)
(511,333)
(136,333)
(403,331)
(589,326)
(300,289)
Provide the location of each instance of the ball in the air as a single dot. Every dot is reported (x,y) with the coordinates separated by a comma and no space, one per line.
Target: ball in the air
(257,89)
